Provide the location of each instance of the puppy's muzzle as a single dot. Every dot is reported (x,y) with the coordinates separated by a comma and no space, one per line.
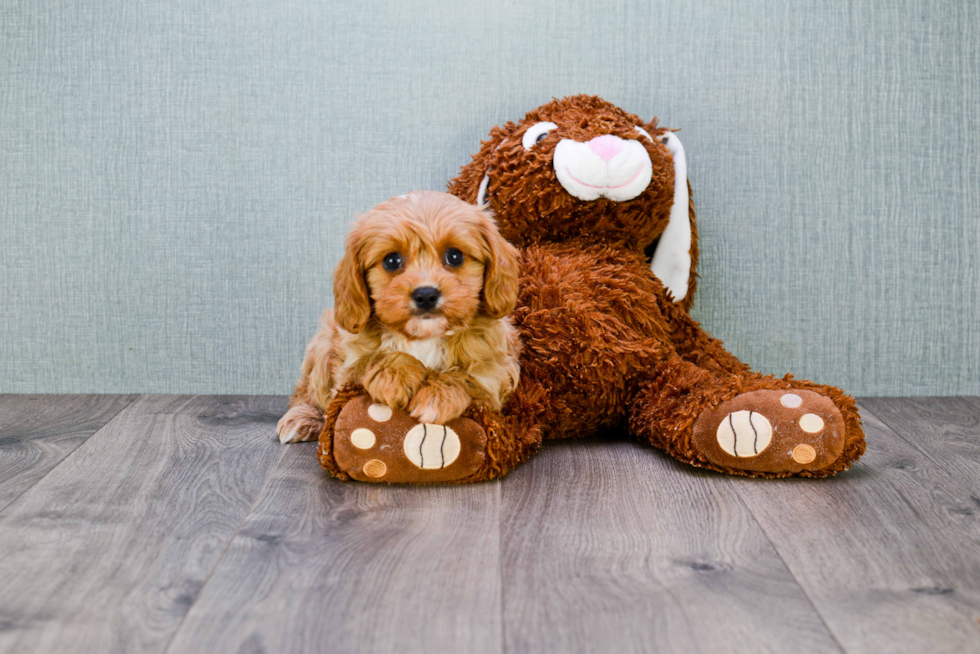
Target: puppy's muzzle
(426,298)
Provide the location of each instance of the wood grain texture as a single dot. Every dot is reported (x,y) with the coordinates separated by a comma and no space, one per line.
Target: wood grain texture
(38,431)
(183,526)
(108,551)
(615,547)
(327,566)
(889,552)
(944,429)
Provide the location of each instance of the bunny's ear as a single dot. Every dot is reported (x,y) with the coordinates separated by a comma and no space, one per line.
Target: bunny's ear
(481,194)
(471,183)
(676,253)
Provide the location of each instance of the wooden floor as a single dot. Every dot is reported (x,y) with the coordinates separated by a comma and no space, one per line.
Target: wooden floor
(179,524)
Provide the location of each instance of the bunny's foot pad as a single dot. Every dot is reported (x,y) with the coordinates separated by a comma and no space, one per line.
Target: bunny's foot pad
(772,431)
(375,443)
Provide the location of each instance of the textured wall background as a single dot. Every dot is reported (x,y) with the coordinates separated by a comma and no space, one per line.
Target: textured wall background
(177,176)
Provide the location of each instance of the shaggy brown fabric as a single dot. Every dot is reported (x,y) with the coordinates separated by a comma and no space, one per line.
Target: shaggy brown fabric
(324,449)
(377,450)
(604,343)
(532,207)
(758,432)
(492,444)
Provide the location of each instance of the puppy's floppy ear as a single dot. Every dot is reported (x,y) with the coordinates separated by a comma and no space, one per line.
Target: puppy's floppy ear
(352,303)
(500,275)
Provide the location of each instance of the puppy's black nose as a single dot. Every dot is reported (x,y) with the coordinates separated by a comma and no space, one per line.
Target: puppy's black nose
(425,298)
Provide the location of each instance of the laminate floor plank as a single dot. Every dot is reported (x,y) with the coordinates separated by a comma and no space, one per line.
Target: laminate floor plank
(108,551)
(615,547)
(945,429)
(888,552)
(326,566)
(180,524)
(38,431)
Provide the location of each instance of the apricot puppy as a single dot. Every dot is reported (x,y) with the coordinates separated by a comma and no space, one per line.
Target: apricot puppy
(421,299)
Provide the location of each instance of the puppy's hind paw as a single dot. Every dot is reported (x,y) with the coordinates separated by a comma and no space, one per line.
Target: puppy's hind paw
(301,423)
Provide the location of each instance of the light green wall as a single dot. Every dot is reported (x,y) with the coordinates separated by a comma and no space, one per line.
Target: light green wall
(177,176)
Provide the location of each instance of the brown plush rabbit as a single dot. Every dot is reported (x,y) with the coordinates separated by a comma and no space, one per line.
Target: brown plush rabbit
(597,202)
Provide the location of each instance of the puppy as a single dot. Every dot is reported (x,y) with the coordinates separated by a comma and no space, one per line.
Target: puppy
(419,320)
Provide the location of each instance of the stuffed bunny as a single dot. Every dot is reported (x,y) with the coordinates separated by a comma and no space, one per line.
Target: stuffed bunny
(598,203)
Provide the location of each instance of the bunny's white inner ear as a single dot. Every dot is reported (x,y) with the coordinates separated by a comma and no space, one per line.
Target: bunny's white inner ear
(481,195)
(672,259)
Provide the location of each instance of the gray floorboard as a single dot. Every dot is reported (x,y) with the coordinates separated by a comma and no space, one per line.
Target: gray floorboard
(108,551)
(38,431)
(615,547)
(945,429)
(326,566)
(181,525)
(888,552)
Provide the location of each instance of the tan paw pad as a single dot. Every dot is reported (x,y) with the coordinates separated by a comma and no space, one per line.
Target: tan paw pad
(379,412)
(771,431)
(744,433)
(791,400)
(376,443)
(811,423)
(362,438)
(804,454)
(374,468)
(431,447)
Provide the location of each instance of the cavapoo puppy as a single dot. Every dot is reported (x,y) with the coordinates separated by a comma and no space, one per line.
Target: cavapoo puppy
(419,320)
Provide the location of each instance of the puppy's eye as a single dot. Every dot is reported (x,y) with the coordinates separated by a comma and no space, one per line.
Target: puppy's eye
(392,262)
(453,258)
(536,133)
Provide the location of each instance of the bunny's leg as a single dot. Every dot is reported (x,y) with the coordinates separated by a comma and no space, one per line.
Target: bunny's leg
(371,442)
(747,424)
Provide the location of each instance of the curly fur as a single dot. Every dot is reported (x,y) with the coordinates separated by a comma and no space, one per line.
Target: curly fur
(530,204)
(605,346)
(433,363)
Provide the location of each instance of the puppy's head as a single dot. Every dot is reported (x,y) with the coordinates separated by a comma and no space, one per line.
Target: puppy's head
(424,264)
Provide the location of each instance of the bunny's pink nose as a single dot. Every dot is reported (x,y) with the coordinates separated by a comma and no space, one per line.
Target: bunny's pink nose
(606,146)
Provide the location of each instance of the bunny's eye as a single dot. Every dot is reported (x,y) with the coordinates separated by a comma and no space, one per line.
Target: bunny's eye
(537,133)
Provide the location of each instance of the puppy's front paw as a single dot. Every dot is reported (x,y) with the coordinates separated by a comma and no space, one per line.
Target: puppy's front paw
(301,423)
(438,402)
(393,384)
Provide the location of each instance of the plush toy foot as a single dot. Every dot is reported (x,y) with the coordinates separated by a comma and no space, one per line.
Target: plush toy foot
(771,431)
(372,442)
